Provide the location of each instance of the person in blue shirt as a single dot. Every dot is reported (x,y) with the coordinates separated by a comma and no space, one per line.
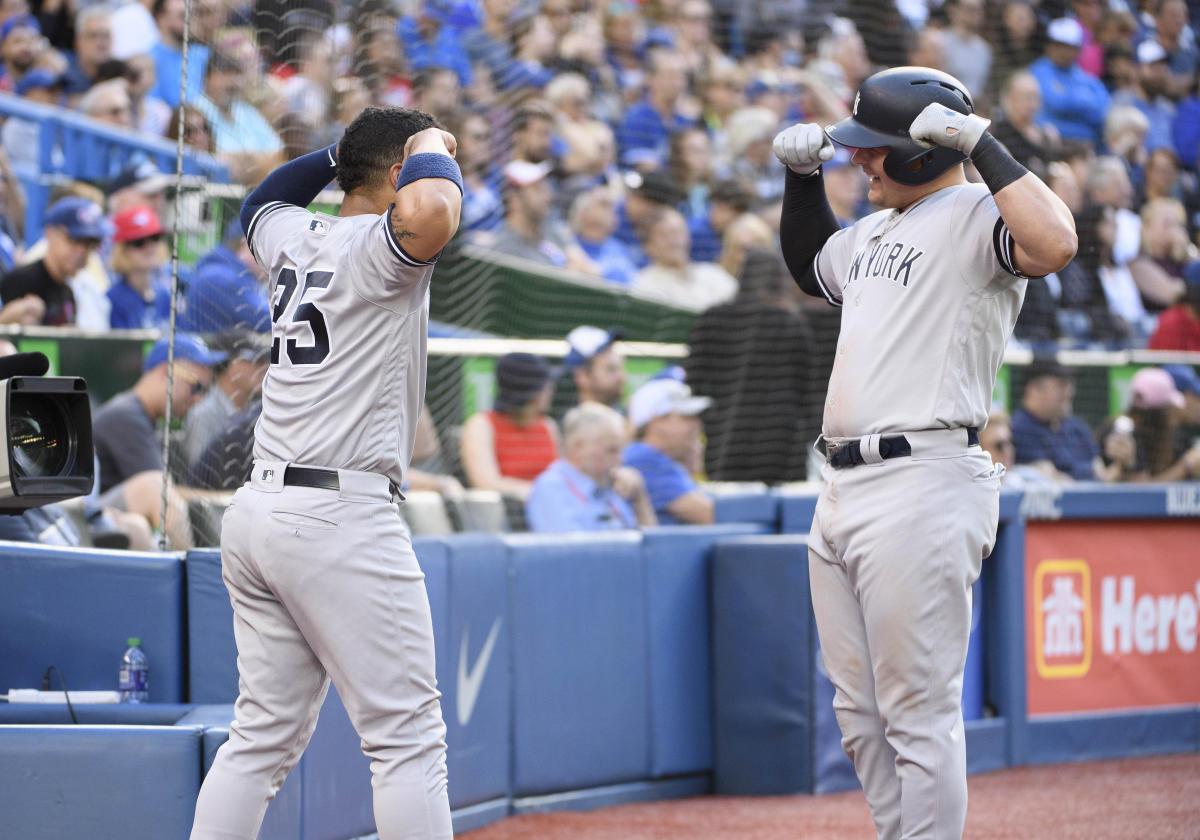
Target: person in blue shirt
(646,193)
(1072,101)
(666,422)
(643,137)
(140,295)
(588,489)
(168,54)
(428,42)
(226,292)
(728,199)
(1047,435)
(593,220)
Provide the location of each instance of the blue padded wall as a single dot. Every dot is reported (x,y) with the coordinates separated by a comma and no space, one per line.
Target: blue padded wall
(212,652)
(796,512)
(474,662)
(283,817)
(579,661)
(335,777)
(759,507)
(677,596)
(73,781)
(762,665)
(74,608)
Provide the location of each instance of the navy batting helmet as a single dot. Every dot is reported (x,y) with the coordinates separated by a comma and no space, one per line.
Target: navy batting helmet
(886,105)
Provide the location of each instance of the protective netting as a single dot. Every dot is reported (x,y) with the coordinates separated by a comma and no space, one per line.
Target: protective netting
(617,164)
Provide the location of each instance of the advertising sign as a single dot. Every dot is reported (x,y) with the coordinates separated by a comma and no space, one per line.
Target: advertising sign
(1111,615)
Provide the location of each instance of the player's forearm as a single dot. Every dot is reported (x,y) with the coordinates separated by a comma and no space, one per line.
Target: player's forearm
(805,223)
(297,182)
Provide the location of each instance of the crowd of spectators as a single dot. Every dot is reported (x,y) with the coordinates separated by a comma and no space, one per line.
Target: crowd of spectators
(631,141)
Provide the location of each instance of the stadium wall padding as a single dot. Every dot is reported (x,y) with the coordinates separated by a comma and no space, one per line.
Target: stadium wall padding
(75,608)
(576,672)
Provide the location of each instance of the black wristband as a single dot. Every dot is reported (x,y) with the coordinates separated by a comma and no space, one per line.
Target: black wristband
(994,164)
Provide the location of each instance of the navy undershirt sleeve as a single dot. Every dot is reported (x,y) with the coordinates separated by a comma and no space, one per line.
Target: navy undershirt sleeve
(297,182)
(806,222)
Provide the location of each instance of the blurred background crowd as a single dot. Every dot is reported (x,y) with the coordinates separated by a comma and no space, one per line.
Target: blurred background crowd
(628,142)
(631,141)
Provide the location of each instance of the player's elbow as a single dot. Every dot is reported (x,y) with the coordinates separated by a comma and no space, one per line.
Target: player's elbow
(1061,247)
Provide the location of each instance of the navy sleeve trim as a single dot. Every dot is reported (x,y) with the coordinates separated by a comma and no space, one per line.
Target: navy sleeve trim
(834,300)
(258,216)
(1003,244)
(395,245)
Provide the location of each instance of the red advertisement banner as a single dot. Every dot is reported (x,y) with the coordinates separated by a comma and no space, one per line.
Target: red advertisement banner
(1112,615)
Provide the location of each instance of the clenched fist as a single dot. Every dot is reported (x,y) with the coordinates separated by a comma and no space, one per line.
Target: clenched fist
(938,125)
(802,148)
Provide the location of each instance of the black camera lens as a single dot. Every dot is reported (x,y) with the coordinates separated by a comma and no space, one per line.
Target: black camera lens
(43,442)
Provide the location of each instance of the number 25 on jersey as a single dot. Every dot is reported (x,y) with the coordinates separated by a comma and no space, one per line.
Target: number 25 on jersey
(303,312)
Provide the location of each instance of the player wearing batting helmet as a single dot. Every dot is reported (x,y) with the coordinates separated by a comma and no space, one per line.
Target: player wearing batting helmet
(929,288)
(318,563)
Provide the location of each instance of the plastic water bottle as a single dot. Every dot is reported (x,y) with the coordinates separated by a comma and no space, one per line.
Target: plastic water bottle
(134,679)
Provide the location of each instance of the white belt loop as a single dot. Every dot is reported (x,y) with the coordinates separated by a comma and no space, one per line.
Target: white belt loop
(358,485)
(868,448)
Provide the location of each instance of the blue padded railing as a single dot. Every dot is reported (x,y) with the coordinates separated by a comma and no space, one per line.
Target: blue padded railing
(92,151)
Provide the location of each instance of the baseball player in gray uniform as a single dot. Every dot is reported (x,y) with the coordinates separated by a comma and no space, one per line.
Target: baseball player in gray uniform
(929,289)
(317,561)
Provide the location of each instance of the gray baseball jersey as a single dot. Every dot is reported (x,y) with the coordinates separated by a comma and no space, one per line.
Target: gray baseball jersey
(344,291)
(929,297)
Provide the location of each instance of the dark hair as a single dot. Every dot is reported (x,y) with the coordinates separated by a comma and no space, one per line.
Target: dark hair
(422,80)
(375,141)
(735,192)
(112,68)
(528,113)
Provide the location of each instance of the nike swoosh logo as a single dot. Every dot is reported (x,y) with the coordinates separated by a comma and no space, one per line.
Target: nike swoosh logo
(470,680)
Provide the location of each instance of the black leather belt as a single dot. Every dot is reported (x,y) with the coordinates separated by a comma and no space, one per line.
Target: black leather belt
(295,476)
(323,479)
(849,453)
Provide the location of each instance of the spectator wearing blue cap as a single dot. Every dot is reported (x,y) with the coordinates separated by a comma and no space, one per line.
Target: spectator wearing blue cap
(20,44)
(75,228)
(128,447)
(228,291)
(597,365)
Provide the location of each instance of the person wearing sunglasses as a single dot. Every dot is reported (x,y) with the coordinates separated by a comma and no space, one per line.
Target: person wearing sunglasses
(128,442)
(140,297)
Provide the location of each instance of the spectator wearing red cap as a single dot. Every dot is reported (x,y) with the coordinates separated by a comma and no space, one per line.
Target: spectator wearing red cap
(140,299)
